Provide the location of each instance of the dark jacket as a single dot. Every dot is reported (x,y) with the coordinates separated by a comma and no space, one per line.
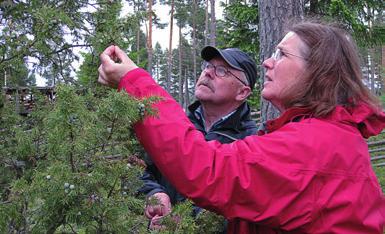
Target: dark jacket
(237,126)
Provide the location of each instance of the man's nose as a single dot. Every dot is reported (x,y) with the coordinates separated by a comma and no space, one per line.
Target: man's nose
(209,72)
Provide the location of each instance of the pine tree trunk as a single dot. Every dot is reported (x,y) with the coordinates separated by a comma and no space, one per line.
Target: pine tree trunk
(169,59)
(186,91)
(372,71)
(149,37)
(382,68)
(313,6)
(137,45)
(180,75)
(138,39)
(194,49)
(273,15)
(213,24)
(206,22)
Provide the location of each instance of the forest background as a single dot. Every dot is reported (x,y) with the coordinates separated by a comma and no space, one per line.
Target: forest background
(58,172)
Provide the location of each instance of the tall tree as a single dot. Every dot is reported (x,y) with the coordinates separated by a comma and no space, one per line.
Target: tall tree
(149,36)
(180,58)
(364,20)
(194,39)
(207,22)
(273,14)
(43,34)
(181,16)
(169,60)
(160,65)
(139,12)
(213,24)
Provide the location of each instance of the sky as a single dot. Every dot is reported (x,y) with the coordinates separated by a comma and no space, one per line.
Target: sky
(159,35)
(162,35)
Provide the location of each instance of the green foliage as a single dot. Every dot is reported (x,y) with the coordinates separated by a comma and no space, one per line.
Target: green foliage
(209,222)
(38,30)
(71,168)
(240,27)
(68,167)
(380,173)
(255,99)
(362,18)
(377,150)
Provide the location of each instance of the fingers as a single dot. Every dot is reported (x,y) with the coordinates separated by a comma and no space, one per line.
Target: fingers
(149,212)
(122,56)
(155,223)
(102,78)
(166,209)
(105,59)
(107,55)
(109,51)
(111,72)
(153,210)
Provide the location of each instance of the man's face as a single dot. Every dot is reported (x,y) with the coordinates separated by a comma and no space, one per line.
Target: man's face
(218,90)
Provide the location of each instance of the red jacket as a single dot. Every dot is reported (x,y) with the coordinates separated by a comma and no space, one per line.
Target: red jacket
(306,176)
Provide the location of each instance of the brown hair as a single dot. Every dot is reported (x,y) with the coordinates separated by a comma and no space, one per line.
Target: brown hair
(333,74)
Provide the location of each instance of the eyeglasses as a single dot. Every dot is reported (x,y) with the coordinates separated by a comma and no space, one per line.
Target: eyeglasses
(278,53)
(220,71)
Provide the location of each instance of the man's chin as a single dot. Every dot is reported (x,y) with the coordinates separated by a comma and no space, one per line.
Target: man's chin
(202,96)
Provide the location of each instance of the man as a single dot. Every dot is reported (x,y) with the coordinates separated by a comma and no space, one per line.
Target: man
(221,113)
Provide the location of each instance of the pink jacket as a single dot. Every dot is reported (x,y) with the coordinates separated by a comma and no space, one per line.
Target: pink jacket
(306,176)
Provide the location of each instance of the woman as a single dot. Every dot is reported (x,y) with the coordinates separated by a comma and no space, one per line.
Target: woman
(310,172)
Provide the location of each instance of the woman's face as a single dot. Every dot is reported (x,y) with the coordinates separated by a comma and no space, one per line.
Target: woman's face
(283,69)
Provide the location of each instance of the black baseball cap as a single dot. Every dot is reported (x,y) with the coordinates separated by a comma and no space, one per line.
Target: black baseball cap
(236,58)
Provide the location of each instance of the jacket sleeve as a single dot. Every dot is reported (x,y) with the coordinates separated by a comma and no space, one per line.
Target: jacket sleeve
(236,180)
(281,179)
(151,184)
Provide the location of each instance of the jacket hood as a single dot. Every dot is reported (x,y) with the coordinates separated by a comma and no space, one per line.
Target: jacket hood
(369,121)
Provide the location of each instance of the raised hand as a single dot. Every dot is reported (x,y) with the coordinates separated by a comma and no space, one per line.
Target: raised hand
(114,65)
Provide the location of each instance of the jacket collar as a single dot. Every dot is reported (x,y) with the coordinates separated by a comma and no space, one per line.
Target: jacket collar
(290,115)
(234,121)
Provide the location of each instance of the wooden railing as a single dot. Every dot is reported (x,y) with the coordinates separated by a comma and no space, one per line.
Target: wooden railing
(377,151)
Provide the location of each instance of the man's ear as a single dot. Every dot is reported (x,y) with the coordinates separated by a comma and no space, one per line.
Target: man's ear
(243,93)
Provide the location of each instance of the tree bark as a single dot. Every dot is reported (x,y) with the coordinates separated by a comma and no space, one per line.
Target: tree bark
(273,15)
(180,75)
(169,59)
(313,7)
(207,22)
(149,37)
(138,39)
(213,24)
(186,89)
(194,48)
(372,73)
(382,68)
